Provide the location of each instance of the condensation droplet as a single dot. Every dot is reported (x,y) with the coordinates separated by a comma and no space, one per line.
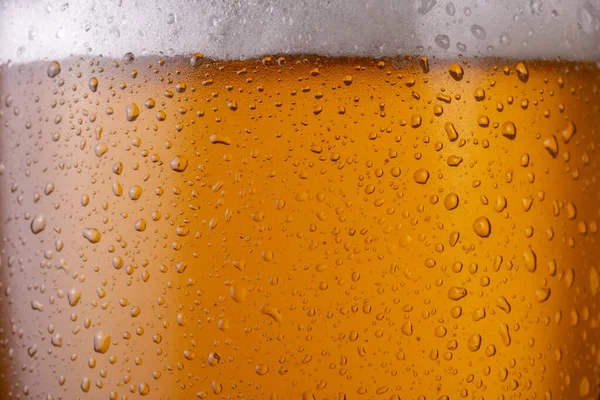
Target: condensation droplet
(551,145)
(474,342)
(93,84)
(542,294)
(73,295)
(456,72)
(451,201)
(421,176)
(132,111)
(508,130)
(53,69)
(505,334)
(522,72)
(456,292)
(530,260)
(179,163)
(93,235)
(482,227)
(478,31)
(442,41)
(38,224)
(101,342)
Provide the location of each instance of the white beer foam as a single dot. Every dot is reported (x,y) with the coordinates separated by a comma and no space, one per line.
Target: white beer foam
(240,29)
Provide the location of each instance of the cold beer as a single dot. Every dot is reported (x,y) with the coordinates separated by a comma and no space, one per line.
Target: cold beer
(299,227)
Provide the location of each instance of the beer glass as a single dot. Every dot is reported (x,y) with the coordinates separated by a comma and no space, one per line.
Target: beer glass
(268,199)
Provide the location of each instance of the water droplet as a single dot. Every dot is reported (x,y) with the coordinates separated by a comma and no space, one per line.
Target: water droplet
(128,58)
(220,139)
(238,293)
(530,260)
(440,331)
(584,387)
(415,121)
(140,225)
(505,334)
(135,192)
(456,292)
(456,72)
(424,61)
(272,312)
(542,294)
(421,176)
(407,328)
(478,314)
(503,304)
(93,84)
(101,342)
(100,149)
(196,59)
(261,369)
(453,238)
(501,204)
(505,39)
(144,388)
(474,342)
(56,340)
(85,384)
(454,161)
(179,163)
(73,295)
(451,131)
(551,145)
(53,69)
(522,72)
(92,235)
(213,359)
(442,41)
(482,227)
(568,132)
(478,31)
(132,112)
(38,224)
(508,130)
(451,201)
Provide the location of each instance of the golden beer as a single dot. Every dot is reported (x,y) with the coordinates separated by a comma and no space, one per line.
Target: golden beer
(299,227)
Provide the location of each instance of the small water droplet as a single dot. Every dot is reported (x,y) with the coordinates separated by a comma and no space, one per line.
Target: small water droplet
(421,176)
(482,227)
(456,72)
(93,235)
(179,163)
(551,145)
(132,112)
(53,69)
(73,295)
(442,41)
(38,224)
(522,72)
(456,292)
(474,342)
(101,342)
(478,31)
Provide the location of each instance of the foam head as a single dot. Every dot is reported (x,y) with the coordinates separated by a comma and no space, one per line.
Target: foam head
(546,29)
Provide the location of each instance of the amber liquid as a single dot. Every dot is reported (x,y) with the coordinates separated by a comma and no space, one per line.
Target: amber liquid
(300,228)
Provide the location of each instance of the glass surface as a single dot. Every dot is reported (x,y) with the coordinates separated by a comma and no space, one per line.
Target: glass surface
(332,200)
